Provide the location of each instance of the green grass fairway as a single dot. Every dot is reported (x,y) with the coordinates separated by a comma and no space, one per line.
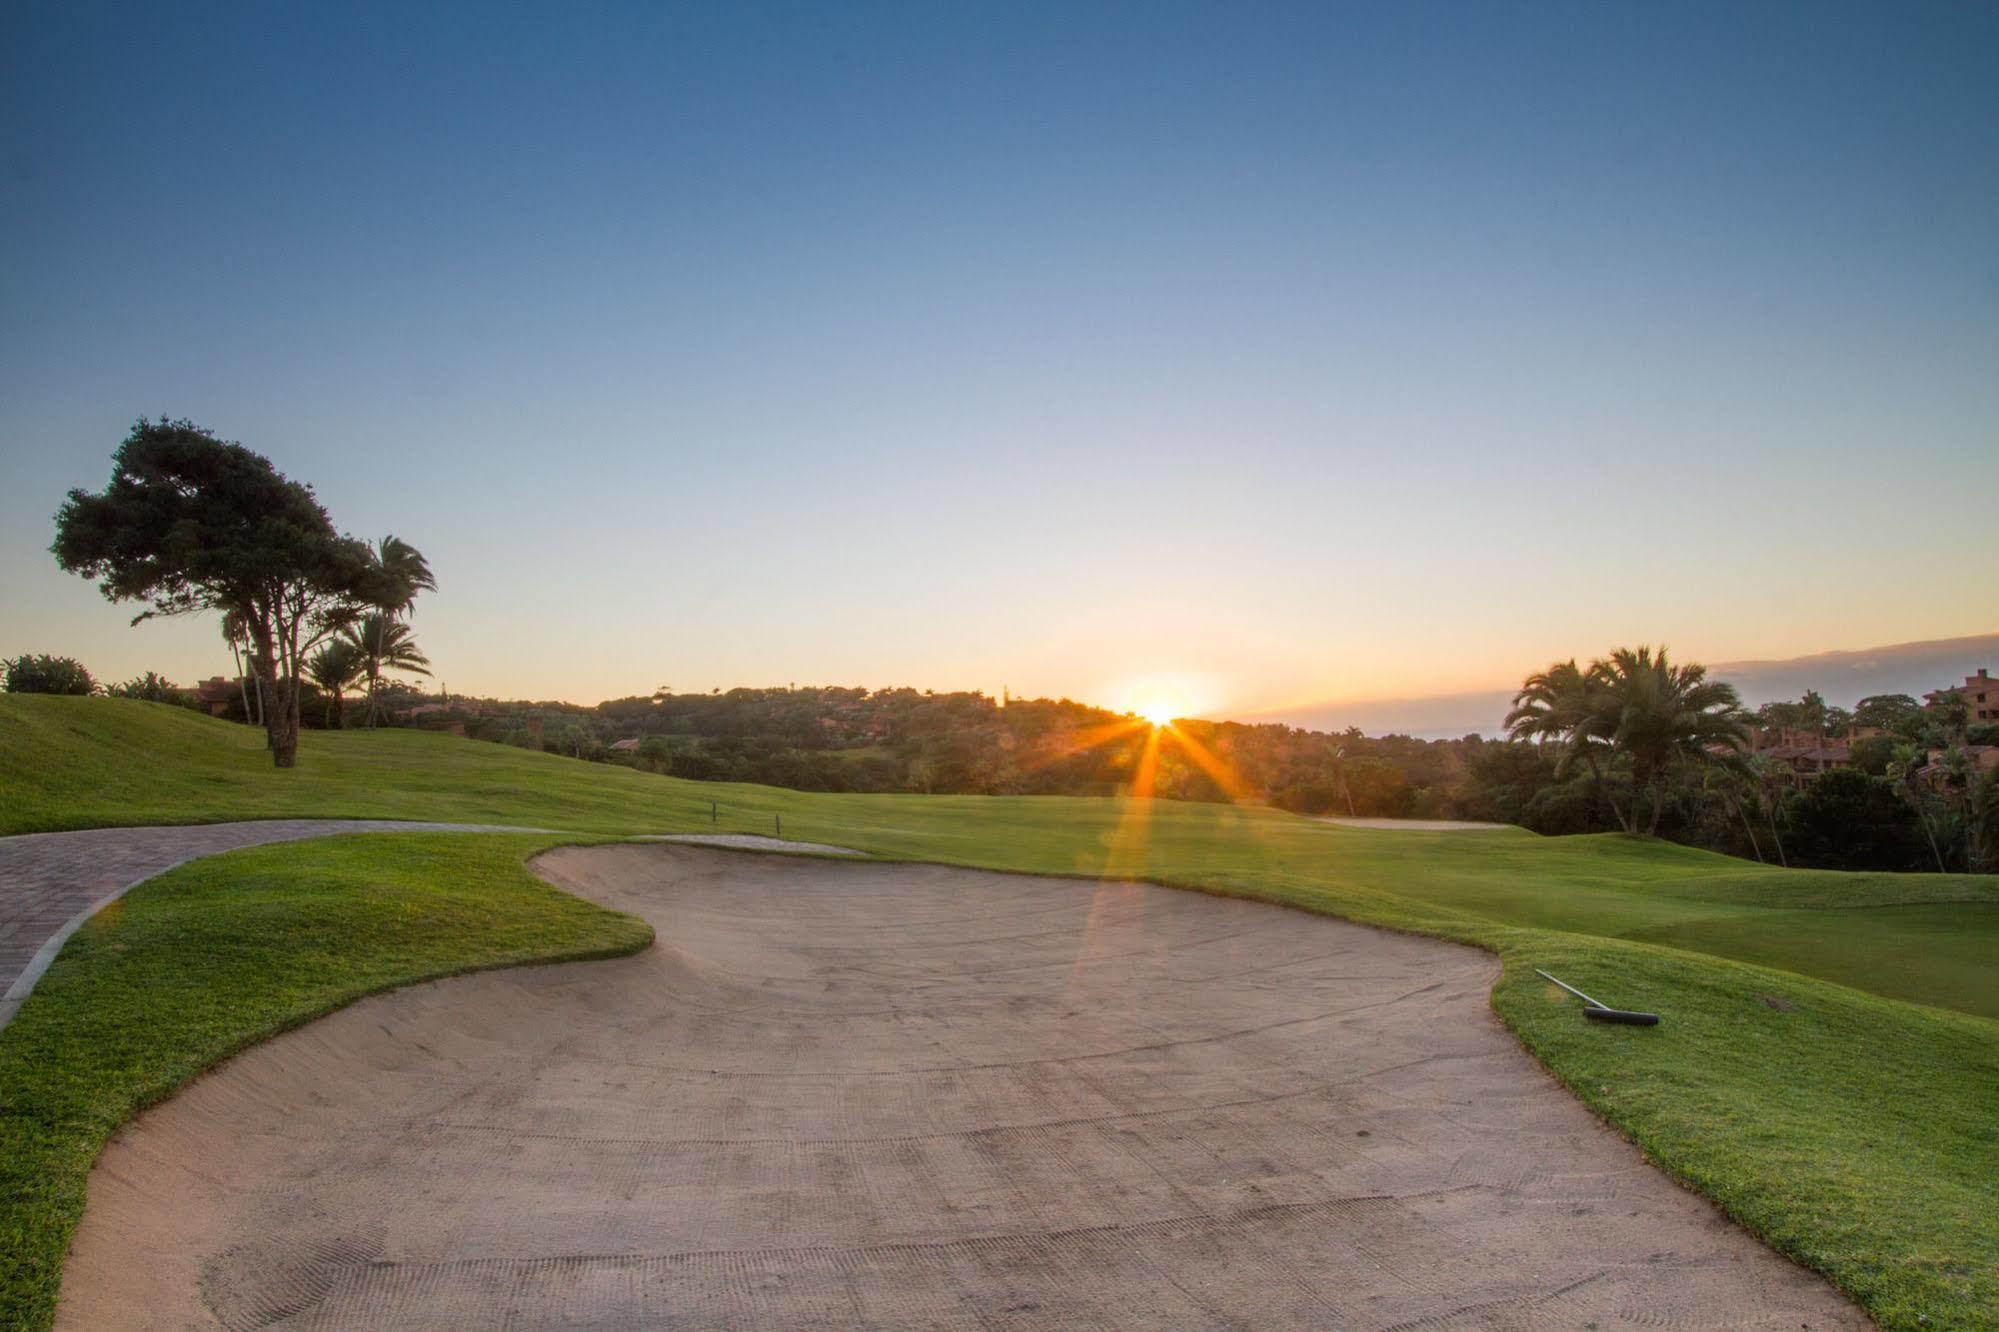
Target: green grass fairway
(1791,1080)
(1948,952)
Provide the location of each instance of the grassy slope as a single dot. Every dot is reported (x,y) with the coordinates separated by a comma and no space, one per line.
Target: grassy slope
(220,954)
(92,762)
(1852,1130)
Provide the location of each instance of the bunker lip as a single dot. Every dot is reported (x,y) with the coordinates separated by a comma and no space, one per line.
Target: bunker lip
(752,842)
(858,1093)
(1413,825)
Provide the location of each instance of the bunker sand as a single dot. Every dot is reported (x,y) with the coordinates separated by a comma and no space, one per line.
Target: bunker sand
(854,1094)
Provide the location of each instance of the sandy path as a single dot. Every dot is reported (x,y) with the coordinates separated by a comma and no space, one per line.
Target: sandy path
(855,1094)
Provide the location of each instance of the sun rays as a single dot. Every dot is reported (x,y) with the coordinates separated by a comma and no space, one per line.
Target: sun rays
(1160,702)
(1163,744)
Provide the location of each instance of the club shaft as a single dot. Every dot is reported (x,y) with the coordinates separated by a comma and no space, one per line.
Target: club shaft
(1570,988)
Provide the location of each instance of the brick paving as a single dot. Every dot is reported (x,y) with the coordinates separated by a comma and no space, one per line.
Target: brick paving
(50,882)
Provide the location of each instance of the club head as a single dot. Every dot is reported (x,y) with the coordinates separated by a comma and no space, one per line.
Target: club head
(1622,1015)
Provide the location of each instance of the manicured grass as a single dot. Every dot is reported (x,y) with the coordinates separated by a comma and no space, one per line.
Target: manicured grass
(98,762)
(1947,953)
(72,763)
(1854,1131)
(188,969)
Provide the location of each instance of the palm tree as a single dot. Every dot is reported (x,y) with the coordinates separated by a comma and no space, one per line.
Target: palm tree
(1732,777)
(1904,771)
(400,573)
(380,640)
(335,668)
(1769,782)
(382,644)
(1570,705)
(1665,714)
(1812,705)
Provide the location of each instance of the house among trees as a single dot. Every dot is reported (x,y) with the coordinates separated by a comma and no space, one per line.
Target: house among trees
(1980,693)
(1807,752)
(216,694)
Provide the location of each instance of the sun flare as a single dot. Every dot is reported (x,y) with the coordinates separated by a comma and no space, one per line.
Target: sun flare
(1157,702)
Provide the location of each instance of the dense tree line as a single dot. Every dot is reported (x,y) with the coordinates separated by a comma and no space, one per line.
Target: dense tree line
(1649,746)
(1878,814)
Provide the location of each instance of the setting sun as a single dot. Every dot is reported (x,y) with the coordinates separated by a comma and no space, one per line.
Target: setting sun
(1158,702)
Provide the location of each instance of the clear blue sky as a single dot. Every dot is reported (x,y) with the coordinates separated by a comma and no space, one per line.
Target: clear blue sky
(1282,353)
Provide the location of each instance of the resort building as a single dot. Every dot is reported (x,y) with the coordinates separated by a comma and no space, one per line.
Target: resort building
(1806,753)
(216,694)
(1980,693)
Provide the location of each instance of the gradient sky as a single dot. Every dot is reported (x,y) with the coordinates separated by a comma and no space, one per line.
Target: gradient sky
(1285,353)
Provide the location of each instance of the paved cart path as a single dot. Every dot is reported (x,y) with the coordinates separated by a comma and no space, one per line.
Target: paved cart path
(51,882)
(840,1095)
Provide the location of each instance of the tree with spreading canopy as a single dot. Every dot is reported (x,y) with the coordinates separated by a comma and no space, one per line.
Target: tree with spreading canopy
(1896,713)
(190,522)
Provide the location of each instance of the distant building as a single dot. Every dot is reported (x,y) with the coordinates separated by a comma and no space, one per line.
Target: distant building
(1983,759)
(216,694)
(1980,693)
(1806,753)
(625,746)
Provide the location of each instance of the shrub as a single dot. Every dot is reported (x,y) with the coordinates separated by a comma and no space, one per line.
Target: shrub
(655,755)
(152,687)
(1848,820)
(43,674)
(1570,807)
(1380,788)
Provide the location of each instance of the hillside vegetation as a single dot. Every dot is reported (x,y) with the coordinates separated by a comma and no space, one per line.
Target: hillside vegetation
(1789,1080)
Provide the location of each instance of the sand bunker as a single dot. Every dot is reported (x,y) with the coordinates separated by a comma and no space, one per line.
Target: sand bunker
(1417,825)
(753,842)
(859,1094)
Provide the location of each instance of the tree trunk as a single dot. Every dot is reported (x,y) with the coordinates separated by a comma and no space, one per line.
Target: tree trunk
(243,674)
(1924,819)
(1603,792)
(1776,838)
(279,645)
(284,724)
(1658,806)
(274,718)
(1747,826)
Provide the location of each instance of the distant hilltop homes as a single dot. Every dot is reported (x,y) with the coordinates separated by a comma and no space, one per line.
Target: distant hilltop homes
(1963,717)
(1979,692)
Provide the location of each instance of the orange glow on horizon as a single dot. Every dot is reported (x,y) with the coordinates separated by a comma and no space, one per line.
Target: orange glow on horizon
(1159,701)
